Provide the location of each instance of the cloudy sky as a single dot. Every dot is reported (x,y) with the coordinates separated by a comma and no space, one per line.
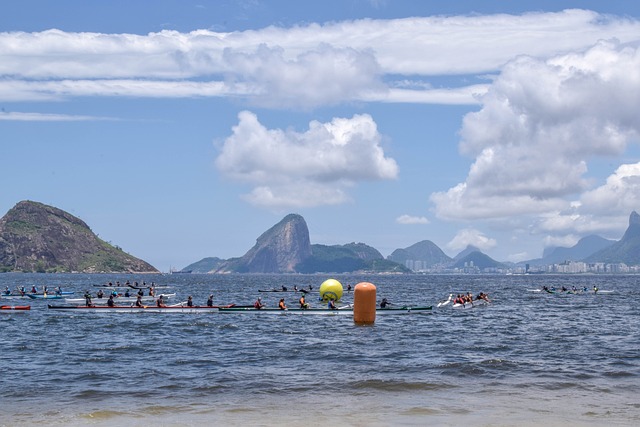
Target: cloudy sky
(184,129)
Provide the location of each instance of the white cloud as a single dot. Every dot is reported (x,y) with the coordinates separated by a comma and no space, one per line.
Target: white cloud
(470,236)
(409,219)
(317,167)
(540,123)
(302,66)
(620,193)
(43,117)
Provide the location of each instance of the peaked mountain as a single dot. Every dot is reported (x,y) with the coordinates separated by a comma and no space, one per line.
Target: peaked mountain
(277,250)
(35,237)
(626,250)
(427,252)
(468,250)
(477,259)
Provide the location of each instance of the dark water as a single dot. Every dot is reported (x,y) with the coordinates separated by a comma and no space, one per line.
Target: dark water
(529,358)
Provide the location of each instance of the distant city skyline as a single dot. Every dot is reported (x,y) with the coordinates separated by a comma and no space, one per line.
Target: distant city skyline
(184,130)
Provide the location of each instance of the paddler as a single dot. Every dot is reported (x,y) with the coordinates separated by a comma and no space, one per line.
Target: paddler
(139,301)
(210,301)
(258,304)
(303,303)
(87,299)
(282,305)
(110,301)
(190,301)
(331,305)
(384,303)
(160,301)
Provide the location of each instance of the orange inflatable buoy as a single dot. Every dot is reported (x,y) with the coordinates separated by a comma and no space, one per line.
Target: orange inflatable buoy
(364,303)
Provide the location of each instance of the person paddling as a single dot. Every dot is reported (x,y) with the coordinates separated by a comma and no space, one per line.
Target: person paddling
(190,301)
(384,303)
(110,301)
(87,299)
(210,301)
(331,305)
(282,305)
(160,301)
(139,301)
(303,303)
(258,304)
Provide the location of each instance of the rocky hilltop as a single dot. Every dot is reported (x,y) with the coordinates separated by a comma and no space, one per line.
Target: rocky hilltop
(286,248)
(277,250)
(35,237)
(626,250)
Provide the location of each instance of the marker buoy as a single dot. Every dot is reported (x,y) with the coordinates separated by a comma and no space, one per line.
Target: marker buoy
(364,303)
(331,289)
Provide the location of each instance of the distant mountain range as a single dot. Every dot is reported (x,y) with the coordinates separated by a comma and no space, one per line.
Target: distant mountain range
(39,238)
(287,244)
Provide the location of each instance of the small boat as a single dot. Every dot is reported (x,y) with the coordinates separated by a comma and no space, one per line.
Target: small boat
(118,300)
(45,296)
(133,309)
(12,296)
(15,307)
(473,304)
(348,310)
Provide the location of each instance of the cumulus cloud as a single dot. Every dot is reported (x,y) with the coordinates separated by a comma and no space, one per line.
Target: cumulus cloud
(470,236)
(316,167)
(302,66)
(409,219)
(540,123)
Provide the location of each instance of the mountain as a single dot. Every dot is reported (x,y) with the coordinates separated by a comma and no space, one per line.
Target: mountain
(584,248)
(205,265)
(277,250)
(346,259)
(468,250)
(626,250)
(477,259)
(35,237)
(285,248)
(426,252)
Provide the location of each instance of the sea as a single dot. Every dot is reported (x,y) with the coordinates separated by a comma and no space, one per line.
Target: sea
(529,358)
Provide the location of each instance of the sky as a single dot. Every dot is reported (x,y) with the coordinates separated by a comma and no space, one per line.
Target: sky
(179,130)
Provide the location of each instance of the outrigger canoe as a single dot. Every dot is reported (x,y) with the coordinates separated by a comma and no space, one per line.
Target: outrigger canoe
(475,303)
(118,300)
(324,311)
(144,309)
(15,307)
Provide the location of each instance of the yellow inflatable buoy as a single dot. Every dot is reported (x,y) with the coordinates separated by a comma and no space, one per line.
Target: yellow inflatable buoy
(331,289)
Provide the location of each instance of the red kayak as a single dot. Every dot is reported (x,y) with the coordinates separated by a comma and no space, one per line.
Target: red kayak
(15,307)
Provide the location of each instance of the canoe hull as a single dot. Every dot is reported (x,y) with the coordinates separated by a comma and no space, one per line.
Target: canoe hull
(474,304)
(323,311)
(15,307)
(129,309)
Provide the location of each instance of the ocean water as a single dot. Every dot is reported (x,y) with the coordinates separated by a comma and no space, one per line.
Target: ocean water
(529,358)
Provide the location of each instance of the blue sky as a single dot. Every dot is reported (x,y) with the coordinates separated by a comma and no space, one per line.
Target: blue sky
(179,130)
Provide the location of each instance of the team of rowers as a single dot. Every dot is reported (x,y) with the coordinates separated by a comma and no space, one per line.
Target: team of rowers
(565,289)
(34,290)
(468,298)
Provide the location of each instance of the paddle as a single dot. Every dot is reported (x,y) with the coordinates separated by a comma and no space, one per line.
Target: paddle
(180,304)
(442,304)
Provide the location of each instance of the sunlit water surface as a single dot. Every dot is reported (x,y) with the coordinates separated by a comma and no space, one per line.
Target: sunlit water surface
(529,358)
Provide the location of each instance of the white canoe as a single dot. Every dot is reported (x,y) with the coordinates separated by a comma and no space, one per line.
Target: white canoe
(118,300)
(475,303)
